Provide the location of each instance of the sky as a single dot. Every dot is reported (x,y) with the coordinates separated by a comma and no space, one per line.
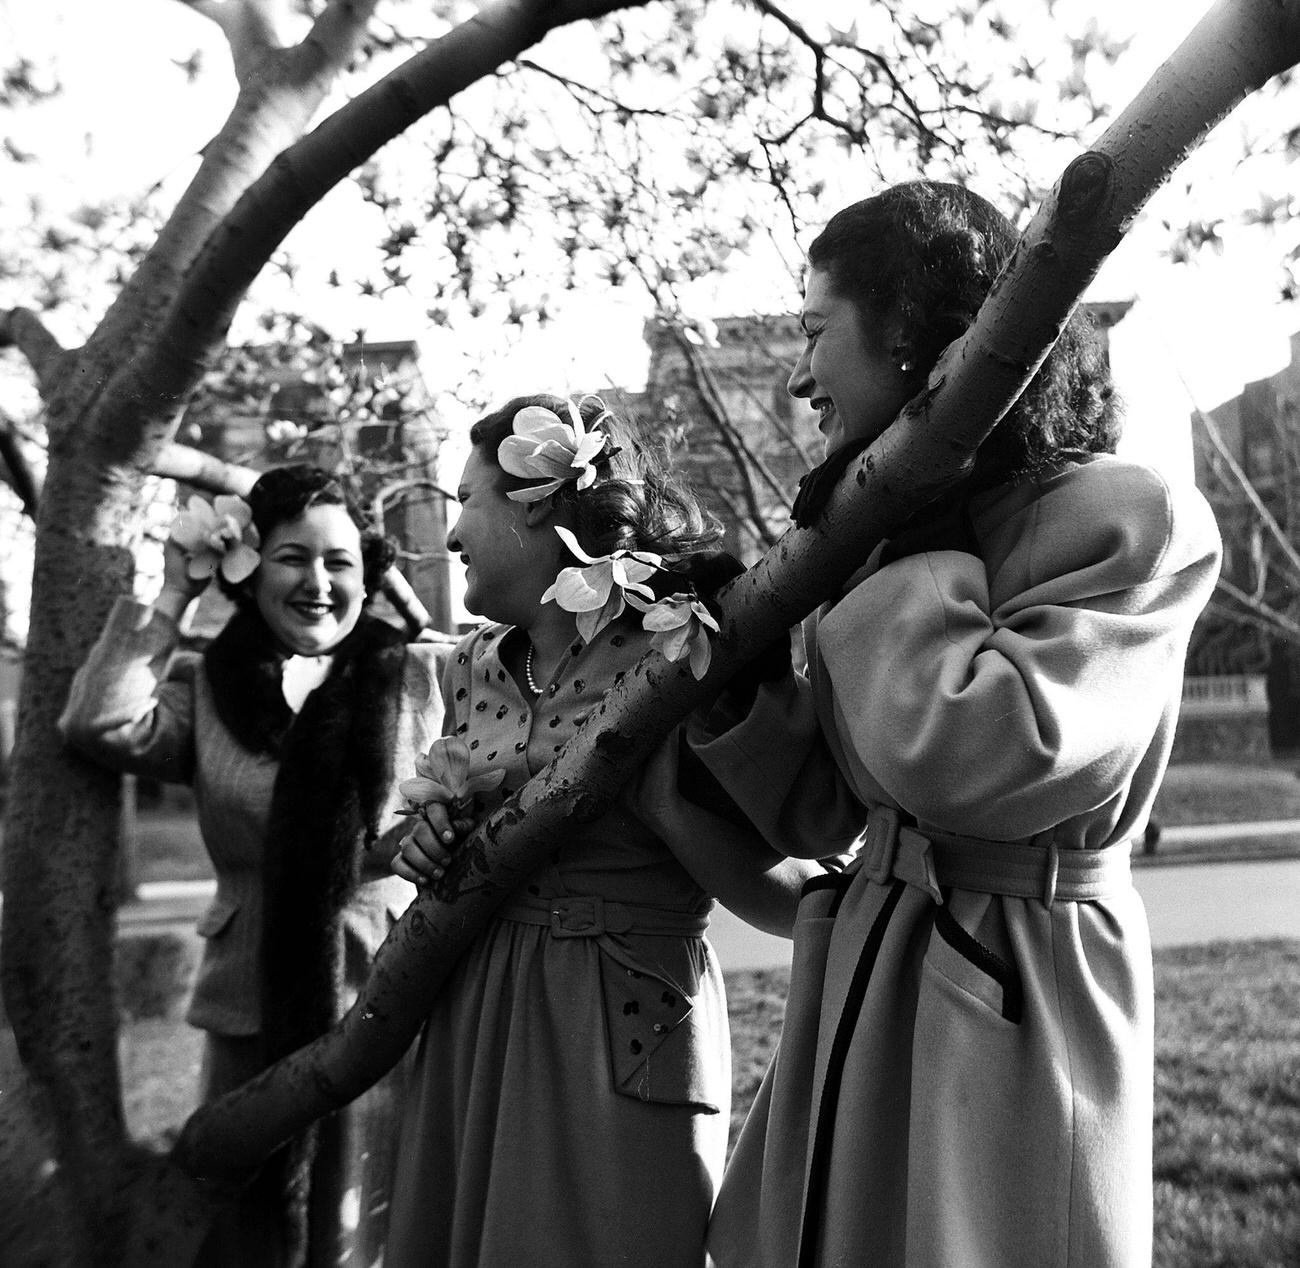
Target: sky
(1196,332)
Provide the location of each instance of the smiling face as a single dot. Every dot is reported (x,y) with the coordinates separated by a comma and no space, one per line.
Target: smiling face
(510,552)
(310,585)
(845,371)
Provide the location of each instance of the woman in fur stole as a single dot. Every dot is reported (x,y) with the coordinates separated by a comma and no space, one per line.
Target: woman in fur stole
(290,727)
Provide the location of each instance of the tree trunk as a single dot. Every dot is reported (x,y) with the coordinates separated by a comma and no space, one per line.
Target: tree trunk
(1235,49)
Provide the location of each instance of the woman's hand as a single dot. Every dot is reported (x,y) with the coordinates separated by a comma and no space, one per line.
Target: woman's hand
(179,589)
(425,852)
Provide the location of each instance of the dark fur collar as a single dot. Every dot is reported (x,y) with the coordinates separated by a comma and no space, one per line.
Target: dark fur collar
(336,767)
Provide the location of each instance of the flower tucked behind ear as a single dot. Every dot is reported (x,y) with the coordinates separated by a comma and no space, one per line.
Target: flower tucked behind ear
(220,535)
(545,447)
(680,626)
(442,775)
(597,592)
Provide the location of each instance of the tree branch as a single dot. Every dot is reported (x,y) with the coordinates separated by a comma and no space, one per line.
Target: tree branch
(22,329)
(1275,621)
(166,372)
(203,471)
(252,29)
(1289,552)
(272,110)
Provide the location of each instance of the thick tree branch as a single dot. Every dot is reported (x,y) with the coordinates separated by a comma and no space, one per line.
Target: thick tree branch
(22,329)
(167,371)
(1235,49)
(273,108)
(253,28)
(202,470)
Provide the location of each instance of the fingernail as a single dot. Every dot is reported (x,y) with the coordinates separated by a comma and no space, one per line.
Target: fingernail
(448,835)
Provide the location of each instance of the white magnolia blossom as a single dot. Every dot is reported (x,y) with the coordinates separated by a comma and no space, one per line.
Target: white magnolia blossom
(545,447)
(218,535)
(442,776)
(680,626)
(596,593)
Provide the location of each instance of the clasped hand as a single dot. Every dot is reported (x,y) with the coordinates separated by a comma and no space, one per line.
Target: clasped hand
(425,852)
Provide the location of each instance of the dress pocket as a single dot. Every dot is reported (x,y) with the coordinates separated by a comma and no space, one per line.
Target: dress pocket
(664,1039)
(961,959)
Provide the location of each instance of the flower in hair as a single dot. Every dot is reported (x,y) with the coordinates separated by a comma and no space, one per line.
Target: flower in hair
(680,625)
(442,776)
(216,536)
(597,592)
(545,447)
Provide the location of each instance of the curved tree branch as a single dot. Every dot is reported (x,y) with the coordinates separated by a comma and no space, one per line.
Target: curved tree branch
(167,371)
(22,329)
(272,110)
(252,29)
(202,470)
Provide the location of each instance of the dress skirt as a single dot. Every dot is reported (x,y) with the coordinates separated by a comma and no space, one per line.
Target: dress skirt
(517,1148)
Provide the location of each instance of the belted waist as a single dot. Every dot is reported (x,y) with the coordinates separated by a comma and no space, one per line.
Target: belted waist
(590,915)
(934,860)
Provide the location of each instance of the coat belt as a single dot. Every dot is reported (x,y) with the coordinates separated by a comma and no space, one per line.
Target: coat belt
(935,860)
(590,916)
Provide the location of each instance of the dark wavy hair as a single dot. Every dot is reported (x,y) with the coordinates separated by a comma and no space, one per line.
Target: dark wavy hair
(282,494)
(918,259)
(636,503)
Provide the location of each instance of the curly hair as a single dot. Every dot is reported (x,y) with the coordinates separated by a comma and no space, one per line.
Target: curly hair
(636,503)
(920,257)
(282,494)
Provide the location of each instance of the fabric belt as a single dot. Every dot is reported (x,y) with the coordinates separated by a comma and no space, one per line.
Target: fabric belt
(932,861)
(590,915)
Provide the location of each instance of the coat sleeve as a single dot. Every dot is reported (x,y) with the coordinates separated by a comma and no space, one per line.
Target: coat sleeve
(775,763)
(999,701)
(131,706)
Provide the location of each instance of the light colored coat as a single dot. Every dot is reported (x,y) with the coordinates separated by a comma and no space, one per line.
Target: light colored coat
(968,1082)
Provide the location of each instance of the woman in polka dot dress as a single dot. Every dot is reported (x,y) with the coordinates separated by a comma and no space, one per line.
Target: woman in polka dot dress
(571,1100)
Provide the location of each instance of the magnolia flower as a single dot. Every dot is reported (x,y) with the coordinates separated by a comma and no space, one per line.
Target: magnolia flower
(597,592)
(442,775)
(680,626)
(218,535)
(545,447)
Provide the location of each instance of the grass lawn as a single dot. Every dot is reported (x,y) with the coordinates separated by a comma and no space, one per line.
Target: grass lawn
(1197,792)
(1227,1095)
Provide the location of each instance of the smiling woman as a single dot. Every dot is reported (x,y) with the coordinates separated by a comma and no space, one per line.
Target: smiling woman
(309,587)
(292,727)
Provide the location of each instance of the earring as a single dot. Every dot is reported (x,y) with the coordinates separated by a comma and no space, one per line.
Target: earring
(905,366)
(902,355)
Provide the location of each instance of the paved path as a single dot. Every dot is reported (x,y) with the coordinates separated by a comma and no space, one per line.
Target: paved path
(1186,902)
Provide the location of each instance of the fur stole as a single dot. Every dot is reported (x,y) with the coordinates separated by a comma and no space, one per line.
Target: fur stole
(336,770)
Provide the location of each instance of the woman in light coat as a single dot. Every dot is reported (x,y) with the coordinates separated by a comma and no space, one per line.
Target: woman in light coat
(965,1071)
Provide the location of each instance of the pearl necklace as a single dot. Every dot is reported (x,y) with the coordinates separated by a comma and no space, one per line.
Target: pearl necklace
(528,672)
